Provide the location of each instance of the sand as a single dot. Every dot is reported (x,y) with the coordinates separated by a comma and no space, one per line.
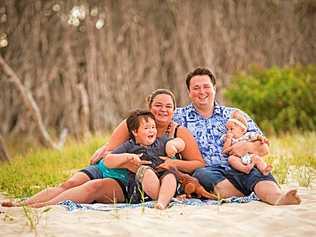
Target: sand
(249,219)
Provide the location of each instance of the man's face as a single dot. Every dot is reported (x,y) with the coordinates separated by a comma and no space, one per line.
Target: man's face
(146,133)
(202,92)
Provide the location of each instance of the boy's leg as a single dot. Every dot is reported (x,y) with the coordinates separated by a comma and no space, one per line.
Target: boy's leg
(236,163)
(100,190)
(167,190)
(264,168)
(151,184)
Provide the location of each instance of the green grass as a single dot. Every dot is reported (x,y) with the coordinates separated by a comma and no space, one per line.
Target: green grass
(39,168)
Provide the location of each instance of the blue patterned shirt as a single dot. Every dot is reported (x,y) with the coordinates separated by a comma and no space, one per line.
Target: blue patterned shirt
(208,131)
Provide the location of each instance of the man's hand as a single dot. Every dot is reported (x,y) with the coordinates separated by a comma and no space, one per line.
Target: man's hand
(263,140)
(241,148)
(238,149)
(99,154)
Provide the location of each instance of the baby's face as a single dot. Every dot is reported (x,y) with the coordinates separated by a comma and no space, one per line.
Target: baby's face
(146,133)
(236,130)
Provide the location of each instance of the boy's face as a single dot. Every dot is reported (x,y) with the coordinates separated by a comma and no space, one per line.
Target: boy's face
(146,133)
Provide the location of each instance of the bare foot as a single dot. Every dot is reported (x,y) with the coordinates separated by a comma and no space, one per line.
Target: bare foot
(159,206)
(289,198)
(8,204)
(267,170)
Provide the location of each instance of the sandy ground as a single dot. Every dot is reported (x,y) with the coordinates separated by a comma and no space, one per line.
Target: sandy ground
(250,219)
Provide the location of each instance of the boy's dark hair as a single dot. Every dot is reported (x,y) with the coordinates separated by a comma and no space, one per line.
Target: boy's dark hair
(200,72)
(133,120)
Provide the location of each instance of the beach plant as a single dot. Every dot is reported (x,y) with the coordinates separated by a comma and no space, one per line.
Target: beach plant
(142,196)
(33,216)
(303,175)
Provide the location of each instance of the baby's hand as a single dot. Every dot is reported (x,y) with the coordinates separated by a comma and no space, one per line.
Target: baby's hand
(171,150)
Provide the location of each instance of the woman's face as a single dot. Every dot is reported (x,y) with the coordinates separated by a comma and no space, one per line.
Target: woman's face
(162,108)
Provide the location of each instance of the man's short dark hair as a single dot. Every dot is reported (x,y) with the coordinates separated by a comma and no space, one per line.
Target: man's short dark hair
(200,72)
(133,120)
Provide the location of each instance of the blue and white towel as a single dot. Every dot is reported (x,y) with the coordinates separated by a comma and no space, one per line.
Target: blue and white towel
(73,206)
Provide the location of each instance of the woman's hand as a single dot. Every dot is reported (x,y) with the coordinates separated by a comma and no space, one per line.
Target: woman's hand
(99,154)
(168,163)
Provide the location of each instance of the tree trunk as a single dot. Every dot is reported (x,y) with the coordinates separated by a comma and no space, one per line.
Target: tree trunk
(4,155)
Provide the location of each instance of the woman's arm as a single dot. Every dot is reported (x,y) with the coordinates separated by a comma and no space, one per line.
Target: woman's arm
(192,158)
(118,137)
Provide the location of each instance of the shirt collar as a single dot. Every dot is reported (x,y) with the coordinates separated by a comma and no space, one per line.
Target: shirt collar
(217,109)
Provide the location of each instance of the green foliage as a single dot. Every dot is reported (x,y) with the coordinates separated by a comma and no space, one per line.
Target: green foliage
(279,99)
(40,168)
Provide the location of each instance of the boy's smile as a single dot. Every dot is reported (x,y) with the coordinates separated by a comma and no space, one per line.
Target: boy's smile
(146,134)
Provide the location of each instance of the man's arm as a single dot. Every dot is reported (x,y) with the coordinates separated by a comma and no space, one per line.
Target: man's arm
(242,148)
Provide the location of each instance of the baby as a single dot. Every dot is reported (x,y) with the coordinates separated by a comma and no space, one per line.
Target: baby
(237,132)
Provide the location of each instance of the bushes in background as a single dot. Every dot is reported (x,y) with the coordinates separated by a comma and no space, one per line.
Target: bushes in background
(278,99)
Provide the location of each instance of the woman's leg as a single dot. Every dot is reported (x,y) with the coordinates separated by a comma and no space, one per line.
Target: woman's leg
(49,193)
(167,190)
(99,190)
(269,192)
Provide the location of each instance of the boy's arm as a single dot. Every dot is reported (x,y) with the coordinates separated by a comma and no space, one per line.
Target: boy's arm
(174,146)
(124,160)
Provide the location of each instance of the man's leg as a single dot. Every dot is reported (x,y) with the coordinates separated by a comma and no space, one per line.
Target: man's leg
(213,179)
(269,192)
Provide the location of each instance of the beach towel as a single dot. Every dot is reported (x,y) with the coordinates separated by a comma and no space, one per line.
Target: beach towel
(73,206)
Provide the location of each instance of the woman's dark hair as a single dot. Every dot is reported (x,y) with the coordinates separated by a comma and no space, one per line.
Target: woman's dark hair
(133,120)
(200,72)
(152,96)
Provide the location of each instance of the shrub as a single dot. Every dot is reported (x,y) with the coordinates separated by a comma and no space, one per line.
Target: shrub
(279,99)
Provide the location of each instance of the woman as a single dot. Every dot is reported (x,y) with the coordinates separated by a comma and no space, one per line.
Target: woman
(86,186)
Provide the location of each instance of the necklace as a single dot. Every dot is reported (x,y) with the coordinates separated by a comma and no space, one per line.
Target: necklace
(168,130)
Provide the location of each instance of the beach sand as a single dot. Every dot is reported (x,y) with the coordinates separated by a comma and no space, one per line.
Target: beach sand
(248,219)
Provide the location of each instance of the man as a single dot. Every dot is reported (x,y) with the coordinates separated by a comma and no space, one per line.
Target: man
(206,120)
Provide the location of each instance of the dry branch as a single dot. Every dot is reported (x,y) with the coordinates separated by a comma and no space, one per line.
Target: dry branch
(31,105)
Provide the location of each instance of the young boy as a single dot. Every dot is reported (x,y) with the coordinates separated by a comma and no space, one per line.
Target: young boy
(144,145)
(237,132)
